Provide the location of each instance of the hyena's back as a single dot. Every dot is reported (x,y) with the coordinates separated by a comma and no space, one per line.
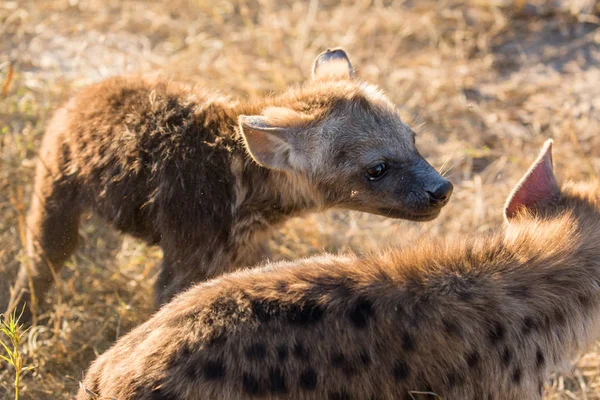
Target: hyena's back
(314,333)
(135,146)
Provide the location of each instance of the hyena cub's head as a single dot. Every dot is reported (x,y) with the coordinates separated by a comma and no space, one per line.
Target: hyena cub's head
(346,139)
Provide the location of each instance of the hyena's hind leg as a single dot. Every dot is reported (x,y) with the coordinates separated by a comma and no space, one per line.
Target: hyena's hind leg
(52,227)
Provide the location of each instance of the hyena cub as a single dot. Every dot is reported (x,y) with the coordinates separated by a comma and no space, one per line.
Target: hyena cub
(479,318)
(202,176)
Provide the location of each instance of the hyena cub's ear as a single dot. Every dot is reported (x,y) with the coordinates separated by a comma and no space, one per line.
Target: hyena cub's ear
(274,140)
(332,64)
(537,187)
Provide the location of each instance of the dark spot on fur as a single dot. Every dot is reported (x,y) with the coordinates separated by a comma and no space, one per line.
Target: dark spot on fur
(455,379)
(252,385)
(308,379)
(462,285)
(213,370)
(365,358)
(554,280)
(473,359)
(300,352)
(183,354)
(222,308)
(349,369)
(338,360)
(559,316)
(547,321)
(277,381)
(465,295)
(256,351)
(361,312)
(585,300)
(529,325)
(506,356)
(451,328)
(400,371)
(408,343)
(341,395)
(281,286)
(263,310)
(217,338)
(516,376)
(413,316)
(519,291)
(340,158)
(540,360)
(186,351)
(496,333)
(282,352)
(305,314)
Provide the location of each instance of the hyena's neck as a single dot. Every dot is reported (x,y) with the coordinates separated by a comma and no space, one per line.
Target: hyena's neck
(264,199)
(268,196)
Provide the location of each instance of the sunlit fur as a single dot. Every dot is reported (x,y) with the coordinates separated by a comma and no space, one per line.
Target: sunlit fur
(486,317)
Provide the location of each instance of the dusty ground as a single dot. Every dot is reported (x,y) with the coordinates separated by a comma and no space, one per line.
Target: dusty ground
(484,82)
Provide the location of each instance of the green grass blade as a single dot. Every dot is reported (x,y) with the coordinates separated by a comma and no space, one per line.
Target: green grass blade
(6,348)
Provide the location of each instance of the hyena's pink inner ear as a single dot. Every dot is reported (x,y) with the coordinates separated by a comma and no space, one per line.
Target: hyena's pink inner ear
(537,187)
(332,64)
(270,146)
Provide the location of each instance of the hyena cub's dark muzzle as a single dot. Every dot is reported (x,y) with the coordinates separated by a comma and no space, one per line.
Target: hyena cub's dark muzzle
(414,191)
(424,190)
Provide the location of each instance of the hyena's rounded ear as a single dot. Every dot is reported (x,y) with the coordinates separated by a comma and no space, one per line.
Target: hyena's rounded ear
(332,64)
(536,188)
(271,145)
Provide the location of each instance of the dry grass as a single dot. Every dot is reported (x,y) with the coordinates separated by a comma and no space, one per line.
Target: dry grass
(484,81)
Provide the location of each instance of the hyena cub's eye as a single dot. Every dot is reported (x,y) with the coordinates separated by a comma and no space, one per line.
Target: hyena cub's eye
(377,172)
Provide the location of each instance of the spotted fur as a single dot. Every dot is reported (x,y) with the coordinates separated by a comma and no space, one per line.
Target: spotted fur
(486,317)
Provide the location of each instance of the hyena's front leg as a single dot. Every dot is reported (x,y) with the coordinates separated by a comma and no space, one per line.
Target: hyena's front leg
(164,289)
(178,271)
(183,267)
(52,232)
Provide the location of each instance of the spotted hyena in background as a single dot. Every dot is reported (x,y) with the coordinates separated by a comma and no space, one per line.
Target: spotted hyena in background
(480,318)
(203,176)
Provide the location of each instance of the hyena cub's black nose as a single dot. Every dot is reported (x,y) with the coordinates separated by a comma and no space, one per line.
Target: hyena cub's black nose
(441,194)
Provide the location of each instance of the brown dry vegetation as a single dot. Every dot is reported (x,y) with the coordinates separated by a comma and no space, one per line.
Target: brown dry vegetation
(483,81)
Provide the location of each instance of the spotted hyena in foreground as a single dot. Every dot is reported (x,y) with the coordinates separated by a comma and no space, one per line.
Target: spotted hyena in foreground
(203,176)
(481,318)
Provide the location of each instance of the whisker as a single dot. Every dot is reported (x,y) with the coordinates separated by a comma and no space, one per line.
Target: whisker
(444,169)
